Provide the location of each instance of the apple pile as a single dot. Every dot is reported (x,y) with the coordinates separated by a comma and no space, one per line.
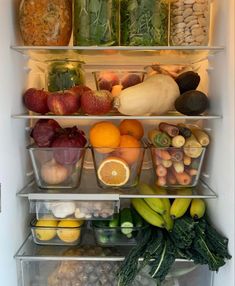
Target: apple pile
(78,98)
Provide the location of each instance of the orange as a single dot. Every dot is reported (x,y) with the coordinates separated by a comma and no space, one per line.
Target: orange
(104,134)
(113,171)
(132,127)
(129,148)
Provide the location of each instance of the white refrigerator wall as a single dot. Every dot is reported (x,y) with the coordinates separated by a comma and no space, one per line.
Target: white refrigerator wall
(13,158)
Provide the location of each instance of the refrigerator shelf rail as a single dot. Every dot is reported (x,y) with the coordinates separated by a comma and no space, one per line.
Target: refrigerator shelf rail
(121,54)
(89,191)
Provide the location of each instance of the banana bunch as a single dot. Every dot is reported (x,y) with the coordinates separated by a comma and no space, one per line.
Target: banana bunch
(180,206)
(160,212)
(155,211)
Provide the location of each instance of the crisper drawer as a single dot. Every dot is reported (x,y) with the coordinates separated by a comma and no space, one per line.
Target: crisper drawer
(103,273)
(74,209)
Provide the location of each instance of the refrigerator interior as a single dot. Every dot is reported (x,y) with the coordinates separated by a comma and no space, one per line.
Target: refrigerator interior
(15,168)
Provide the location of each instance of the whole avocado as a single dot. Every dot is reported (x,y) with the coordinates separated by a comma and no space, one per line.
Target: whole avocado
(192,102)
(188,81)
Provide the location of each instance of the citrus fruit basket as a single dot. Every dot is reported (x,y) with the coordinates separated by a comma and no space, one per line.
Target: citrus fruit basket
(52,232)
(177,167)
(118,167)
(57,167)
(74,210)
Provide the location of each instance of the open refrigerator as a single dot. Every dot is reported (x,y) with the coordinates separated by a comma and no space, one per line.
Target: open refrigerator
(35,263)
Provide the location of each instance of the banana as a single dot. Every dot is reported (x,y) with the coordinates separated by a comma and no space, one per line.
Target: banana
(179,207)
(197,208)
(155,203)
(169,223)
(147,213)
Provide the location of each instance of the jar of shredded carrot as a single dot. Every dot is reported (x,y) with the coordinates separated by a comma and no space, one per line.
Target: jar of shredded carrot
(45,22)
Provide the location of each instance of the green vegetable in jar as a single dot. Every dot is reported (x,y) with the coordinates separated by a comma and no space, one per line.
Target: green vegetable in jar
(64,75)
(144,23)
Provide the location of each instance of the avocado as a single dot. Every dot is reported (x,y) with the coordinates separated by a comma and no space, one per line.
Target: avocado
(192,102)
(188,81)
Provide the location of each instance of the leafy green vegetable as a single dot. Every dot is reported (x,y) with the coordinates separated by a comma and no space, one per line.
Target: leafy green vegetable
(183,232)
(95,22)
(144,23)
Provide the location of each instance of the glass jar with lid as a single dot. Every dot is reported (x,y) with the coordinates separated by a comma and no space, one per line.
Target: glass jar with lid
(45,22)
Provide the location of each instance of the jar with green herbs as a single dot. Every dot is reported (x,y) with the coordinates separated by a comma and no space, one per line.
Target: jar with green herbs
(95,22)
(45,22)
(144,22)
(64,74)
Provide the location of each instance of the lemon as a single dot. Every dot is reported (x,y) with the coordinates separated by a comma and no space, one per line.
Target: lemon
(46,229)
(68,230)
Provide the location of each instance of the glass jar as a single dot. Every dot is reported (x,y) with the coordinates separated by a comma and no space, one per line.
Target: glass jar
(144,22)
(45,22)
(95,22)
(189,22)
(64,74)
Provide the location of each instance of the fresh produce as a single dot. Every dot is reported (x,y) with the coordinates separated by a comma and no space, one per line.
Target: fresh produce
(113,171)
(197,241)
(96,102)
(131,127)
(95,23)
(106,80)
(53,173)
(45,229)
(130,79)
(148,213)
(126,222)
(104,135)
(69,230)
(177,159)
(63,103)
(63,75)
(156,95)
(188,81)
(144,23)
(129,149)
(192,102)
(36,100)
(115,221)
(179,207)
(154,203)
(78,90)
(197,208)
(44,132)
(72,139)
(62,209)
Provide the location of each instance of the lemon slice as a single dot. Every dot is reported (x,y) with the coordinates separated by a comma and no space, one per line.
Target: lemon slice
(113,171)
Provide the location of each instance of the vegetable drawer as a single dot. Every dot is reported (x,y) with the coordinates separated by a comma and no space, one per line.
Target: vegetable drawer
(74,210)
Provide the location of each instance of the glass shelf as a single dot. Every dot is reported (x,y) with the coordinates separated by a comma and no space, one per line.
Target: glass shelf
(89,191)
(169,116)
(119,54)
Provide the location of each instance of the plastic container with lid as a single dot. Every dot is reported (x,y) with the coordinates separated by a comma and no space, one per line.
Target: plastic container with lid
(45,22)
(95,23)
(144,23)
(189,22)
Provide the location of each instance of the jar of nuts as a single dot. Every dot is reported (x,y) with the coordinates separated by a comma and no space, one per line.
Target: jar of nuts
(189,22)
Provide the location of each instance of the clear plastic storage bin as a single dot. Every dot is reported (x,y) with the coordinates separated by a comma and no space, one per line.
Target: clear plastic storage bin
(74,210)
(112,236)
(177,167)
(57,167)
(69,233)
(118,167)
(189,22)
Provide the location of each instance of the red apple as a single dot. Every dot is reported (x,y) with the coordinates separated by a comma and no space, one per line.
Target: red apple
(130,79)
(63,103)
(79,89)
(36,100)
(96,102)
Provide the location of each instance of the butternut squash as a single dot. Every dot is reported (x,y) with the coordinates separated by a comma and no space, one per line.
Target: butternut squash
(156,95)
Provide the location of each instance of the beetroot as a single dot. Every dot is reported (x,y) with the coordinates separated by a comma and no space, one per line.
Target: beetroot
(45,131)
(69,140)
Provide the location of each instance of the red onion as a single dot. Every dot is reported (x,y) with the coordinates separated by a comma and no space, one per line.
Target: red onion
(71,139)
(44,132)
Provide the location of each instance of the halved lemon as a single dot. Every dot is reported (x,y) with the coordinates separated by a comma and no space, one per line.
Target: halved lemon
(113,171)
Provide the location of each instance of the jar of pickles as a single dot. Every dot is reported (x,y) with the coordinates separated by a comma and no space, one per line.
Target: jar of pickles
(45,22)
(144,22)
(95,22)
(189,22)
